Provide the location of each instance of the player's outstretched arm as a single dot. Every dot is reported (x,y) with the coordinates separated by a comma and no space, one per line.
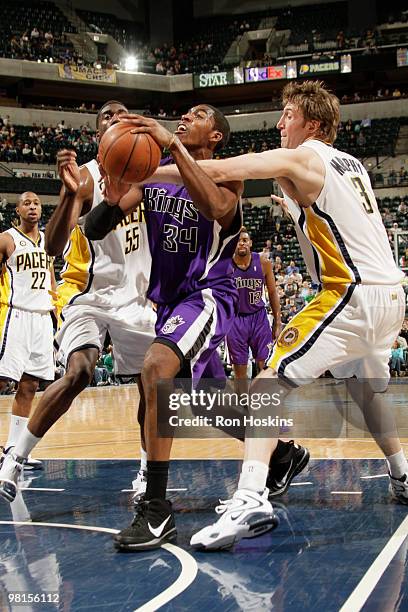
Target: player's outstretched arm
(75,200)
(268,164)
(214,201)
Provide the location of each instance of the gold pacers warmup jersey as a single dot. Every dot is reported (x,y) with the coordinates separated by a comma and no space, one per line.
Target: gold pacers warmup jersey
(342,236)
(25,276)
(111,272)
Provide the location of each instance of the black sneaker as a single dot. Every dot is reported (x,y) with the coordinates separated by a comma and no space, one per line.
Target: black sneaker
(283,470)
(152,525)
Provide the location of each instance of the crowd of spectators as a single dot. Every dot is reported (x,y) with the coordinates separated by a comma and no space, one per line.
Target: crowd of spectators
(39,45)
(40,143)
(202,50)
(294,290)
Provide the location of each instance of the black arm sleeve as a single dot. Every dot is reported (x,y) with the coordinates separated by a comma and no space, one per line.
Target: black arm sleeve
(101,220)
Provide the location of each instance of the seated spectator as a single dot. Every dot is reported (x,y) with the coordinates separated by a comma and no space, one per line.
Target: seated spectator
(403,208)
(277,250)
(27,154)
(291,289)
(397,359)
(292,268)
(38,153)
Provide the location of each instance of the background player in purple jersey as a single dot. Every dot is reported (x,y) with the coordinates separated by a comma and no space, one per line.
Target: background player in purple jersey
(251,328)
(193,231)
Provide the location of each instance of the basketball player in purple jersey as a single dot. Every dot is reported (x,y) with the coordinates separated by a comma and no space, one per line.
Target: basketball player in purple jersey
(193,231)
(251,328)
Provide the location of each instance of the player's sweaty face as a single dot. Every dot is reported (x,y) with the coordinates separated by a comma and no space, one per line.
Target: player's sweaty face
(110,115)
(196,125)
(292,127)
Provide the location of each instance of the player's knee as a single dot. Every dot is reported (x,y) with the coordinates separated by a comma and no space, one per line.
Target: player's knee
(79,377)
(26,389)
(152,367)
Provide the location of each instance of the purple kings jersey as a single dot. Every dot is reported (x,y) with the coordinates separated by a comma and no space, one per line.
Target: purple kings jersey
(189,253)
(250,283)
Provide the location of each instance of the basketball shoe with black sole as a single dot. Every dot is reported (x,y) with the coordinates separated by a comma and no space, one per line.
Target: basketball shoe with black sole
(152,526)
(283,470)
(399,488)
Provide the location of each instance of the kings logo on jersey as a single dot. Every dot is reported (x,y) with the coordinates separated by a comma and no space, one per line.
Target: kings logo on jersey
(172,324)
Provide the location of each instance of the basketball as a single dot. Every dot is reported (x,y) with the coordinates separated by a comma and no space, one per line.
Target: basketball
(127,157)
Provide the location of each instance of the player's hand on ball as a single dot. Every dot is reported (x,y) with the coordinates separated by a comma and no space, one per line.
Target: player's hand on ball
(145,125)
(68,170)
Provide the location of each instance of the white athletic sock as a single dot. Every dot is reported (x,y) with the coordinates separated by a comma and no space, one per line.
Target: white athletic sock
(25,443)
(253,476)
(397,464)
(17,424)
(143,459)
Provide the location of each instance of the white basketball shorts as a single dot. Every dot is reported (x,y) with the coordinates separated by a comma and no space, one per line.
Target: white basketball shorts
(26,344)
(347,330)
(130,327)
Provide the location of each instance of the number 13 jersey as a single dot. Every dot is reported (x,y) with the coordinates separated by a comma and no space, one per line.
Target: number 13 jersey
(342,236)
(25,281)
(112,272)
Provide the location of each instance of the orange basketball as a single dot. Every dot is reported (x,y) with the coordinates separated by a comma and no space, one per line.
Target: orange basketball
(127,157)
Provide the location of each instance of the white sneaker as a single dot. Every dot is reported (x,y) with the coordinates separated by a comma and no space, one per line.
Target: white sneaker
(10,473)
(29,463)
(139,485)
(32,464)
(246,515)
(399,488)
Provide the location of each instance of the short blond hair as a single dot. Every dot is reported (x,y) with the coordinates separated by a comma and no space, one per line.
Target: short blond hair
(316,104)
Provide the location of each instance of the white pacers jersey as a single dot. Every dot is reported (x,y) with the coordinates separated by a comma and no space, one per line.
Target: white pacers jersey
(26,275)
(342,236)
(111,272)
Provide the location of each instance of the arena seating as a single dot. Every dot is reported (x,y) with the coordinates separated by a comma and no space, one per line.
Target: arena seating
(21,19)
(379,139)
(126,33)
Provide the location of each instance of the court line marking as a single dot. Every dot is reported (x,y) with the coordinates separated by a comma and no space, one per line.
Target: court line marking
(346,492)
(300,484)
(376,476)
(187,575)
(369,581)
(39,489)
